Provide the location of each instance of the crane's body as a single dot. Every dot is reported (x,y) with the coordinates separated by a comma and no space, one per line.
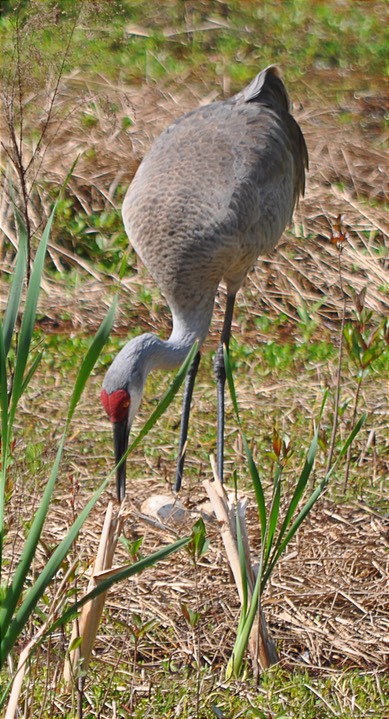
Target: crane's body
(216,190)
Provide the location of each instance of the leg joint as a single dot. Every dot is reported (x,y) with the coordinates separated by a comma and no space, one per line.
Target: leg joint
(218,364)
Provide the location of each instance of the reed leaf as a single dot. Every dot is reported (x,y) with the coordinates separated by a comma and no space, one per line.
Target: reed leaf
(17,282)
(28,319)
(274,513)
(300,487)
(126,572)
(257,484)
(235,663)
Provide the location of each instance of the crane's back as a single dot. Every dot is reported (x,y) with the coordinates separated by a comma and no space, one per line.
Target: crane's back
(216,190)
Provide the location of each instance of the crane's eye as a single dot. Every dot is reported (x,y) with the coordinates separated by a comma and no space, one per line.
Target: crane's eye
(116,404)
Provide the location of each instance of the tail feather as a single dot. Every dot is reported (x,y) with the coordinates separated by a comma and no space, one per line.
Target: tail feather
(267,87)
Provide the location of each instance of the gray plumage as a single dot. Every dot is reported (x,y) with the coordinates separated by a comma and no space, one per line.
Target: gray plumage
(216,189)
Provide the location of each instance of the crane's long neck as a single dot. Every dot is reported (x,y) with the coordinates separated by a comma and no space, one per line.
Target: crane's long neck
(168,354)
(147,352)
(124,382)
(165,354)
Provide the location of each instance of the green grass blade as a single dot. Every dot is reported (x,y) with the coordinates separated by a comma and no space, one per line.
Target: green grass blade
(29,315)
(258,489)
(16,288)
(128,571)
(235,664)
(300,487)
(242,562)
(3,401)
(273,516)
(6,331)
(4,438)
(51,568)
(91,357)
(304,477)
(15,589)
(259,494)
(30,373)
(29,311)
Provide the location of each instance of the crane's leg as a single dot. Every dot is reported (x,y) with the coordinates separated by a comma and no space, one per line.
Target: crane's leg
(220,374)
(186,402)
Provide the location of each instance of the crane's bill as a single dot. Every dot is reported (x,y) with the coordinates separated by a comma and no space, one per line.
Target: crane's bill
(120,442)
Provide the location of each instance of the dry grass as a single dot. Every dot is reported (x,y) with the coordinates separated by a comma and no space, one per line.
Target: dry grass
(327,606)
(348,176)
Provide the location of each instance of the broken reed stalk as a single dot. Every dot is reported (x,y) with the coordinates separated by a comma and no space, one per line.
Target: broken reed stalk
(86,625)
(14,699)
(261,647)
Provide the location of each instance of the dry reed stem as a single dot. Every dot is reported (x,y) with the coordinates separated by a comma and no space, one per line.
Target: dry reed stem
(87,624)
(261,646)
(13,702)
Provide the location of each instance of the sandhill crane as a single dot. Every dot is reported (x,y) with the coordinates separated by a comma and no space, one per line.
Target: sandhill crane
(216,189)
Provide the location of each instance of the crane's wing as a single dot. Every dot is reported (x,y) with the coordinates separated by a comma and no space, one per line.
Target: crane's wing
(222,180)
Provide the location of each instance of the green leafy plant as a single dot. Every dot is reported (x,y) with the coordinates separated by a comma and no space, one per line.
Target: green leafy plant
(276,531)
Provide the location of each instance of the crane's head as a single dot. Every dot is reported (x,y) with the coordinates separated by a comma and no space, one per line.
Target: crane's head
(121,395)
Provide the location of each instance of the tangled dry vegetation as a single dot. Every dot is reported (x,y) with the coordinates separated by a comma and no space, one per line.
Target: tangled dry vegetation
(345,169)
(327,607)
